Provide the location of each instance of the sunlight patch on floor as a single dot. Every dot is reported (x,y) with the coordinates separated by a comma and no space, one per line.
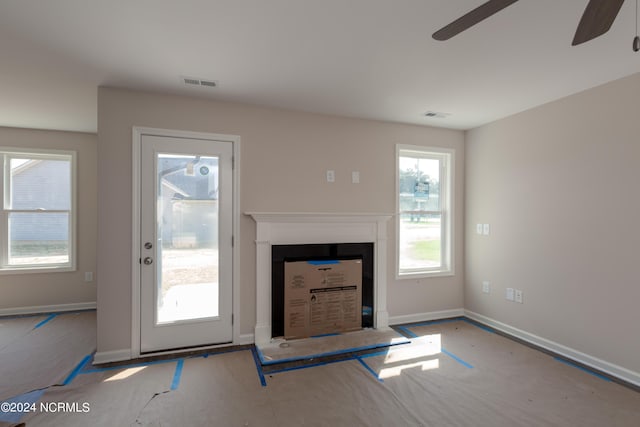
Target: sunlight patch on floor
(427,345)
(125,374)
(396,371)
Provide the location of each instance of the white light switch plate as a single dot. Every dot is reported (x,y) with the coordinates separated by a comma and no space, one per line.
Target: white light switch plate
(485,229)
(479,228)
(518,296)
(509,294)
(331,176)
(486,287)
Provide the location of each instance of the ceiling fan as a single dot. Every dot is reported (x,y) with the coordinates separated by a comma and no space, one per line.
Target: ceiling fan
(596,20)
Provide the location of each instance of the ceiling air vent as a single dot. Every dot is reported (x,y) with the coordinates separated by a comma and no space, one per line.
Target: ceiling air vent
(436,114)
(191,81)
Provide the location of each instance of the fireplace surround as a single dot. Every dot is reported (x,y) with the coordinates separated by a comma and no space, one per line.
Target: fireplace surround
(275,228)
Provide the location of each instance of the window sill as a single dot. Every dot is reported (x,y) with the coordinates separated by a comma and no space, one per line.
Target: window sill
(31,270)
(425,274)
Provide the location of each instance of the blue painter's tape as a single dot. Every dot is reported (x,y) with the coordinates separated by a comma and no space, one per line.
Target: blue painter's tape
(377,353)
(408,332)
(215,353)
(133,365)
(368,368)
(27,401)
(456,358)
(45,321)
(156,362)
(62,313)
(261,357)
(329,362)
(87,366)
(77,369)
(176,376)
(324,262)
(310,365)
(256,360)
(325,335)
(457,319)
(479,325)
(582,368)
(434,322)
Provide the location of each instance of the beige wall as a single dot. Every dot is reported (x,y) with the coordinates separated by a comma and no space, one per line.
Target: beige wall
(283,162)
(560,187)
(46,289)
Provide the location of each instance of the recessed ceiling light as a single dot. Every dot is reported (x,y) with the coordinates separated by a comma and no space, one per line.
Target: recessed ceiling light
(194,81)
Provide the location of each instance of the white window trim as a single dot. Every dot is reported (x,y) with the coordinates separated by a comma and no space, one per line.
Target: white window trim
(4,242)
(448,213)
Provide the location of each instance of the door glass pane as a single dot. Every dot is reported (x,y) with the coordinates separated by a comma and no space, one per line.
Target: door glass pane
(187,247)
(38,238)
(420,213)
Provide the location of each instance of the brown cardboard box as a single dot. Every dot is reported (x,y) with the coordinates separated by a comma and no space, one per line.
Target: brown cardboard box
(322,297)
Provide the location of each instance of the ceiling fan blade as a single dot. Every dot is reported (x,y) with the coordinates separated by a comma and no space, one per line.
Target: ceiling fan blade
(467,21)
(596,20)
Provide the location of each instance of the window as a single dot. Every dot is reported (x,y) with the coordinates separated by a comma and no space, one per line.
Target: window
(424,206)
(38,212)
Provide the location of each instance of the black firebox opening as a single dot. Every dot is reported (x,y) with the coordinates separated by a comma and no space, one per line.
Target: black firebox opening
(319,252)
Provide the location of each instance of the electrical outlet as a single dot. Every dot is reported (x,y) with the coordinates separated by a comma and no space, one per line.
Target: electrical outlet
(509,294)
(355,177)
(331,176)
(88,276)
(486,287)
(518,296)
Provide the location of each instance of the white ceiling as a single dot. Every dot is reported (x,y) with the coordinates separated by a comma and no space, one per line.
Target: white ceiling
(373,59)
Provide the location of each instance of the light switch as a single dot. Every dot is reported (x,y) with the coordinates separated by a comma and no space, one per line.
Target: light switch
(485,229)
(355,177)
(509,294)
(518,296)
(486,287)
(331,176)
(479,228)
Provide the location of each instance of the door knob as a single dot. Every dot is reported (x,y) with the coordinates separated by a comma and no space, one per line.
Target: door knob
(148,261)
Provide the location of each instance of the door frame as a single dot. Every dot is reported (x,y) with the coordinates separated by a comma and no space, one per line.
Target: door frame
(138,131)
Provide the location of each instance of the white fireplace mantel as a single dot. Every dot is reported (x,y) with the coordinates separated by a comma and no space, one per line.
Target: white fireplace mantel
(280,228)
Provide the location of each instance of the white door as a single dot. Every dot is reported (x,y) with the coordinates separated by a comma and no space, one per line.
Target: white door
(186,242)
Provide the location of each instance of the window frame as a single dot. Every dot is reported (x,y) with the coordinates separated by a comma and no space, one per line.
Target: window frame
(446,156)
(6,154)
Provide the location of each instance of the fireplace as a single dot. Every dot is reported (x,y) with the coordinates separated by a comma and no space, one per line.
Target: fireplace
(280,254)
(278,229)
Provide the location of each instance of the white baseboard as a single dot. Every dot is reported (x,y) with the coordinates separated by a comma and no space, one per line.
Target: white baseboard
(246,339)
(38,309)
(112,356)
(425,317)
(570,353)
